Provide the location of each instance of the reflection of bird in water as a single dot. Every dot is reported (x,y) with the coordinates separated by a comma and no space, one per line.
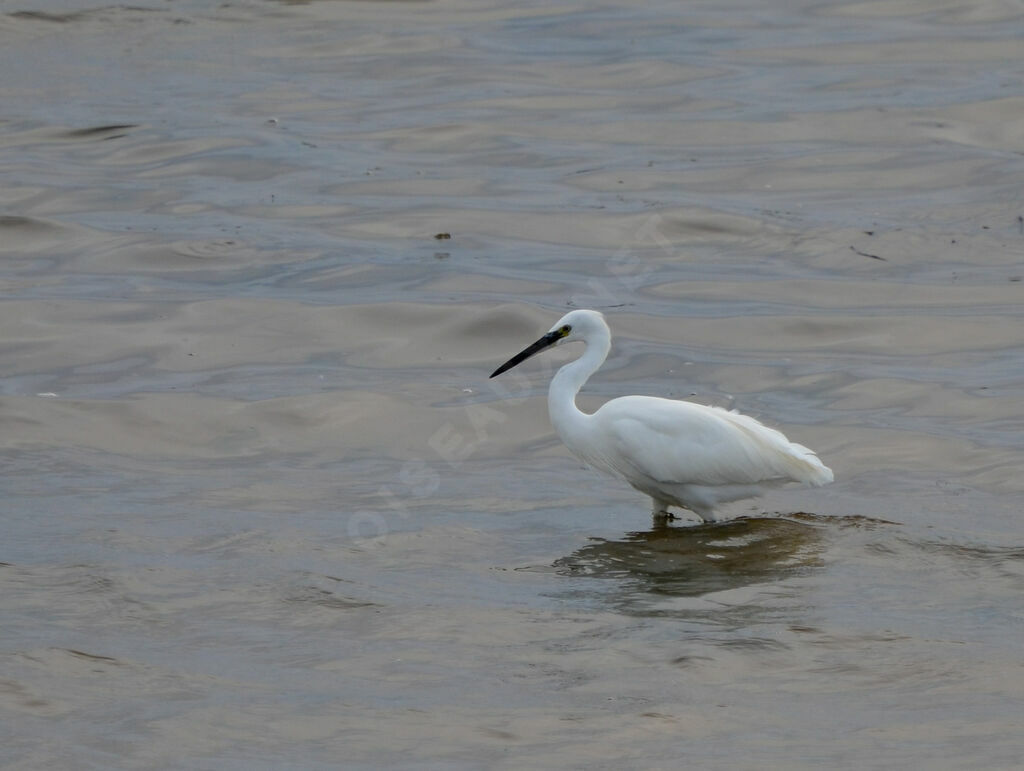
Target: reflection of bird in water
(701,560)
(679,453)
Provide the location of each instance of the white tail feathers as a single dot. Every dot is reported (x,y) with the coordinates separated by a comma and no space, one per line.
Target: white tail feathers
(812,471)
(792,460)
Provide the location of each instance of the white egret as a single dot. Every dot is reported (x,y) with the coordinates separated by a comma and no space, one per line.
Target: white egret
(677,452)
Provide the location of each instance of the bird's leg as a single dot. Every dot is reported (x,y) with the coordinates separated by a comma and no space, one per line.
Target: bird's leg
(706,515)
(660,512)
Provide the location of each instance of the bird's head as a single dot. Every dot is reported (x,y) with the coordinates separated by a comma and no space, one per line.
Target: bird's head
(575,326)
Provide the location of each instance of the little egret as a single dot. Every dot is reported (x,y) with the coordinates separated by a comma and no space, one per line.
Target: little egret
(679,453)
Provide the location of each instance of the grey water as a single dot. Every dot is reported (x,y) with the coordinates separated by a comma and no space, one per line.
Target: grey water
(262,507)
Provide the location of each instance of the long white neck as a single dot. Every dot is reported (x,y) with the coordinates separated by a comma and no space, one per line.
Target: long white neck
(569,421)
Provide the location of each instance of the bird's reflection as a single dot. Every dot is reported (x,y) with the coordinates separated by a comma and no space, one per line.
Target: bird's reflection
(693,561)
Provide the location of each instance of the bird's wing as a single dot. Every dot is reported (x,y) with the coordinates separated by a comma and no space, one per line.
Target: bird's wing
(686,443)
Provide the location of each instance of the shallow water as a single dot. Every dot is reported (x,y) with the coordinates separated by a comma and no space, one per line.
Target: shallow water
(263,508)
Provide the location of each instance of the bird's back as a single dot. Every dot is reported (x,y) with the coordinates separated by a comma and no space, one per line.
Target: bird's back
(685,443)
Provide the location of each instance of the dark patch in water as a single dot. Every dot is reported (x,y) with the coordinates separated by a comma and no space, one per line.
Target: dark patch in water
(692,561)
(101,131)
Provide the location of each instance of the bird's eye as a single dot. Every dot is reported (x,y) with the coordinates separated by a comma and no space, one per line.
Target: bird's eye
(565,330)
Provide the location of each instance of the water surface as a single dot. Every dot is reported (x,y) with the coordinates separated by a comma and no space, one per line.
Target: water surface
(262,507)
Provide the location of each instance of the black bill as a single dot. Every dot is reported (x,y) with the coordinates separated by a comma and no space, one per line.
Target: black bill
(545,342)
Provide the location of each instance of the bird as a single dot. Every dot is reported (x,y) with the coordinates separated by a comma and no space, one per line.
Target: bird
(679,453)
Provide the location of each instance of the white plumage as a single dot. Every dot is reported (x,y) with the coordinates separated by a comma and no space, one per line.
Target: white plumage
(679,453)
